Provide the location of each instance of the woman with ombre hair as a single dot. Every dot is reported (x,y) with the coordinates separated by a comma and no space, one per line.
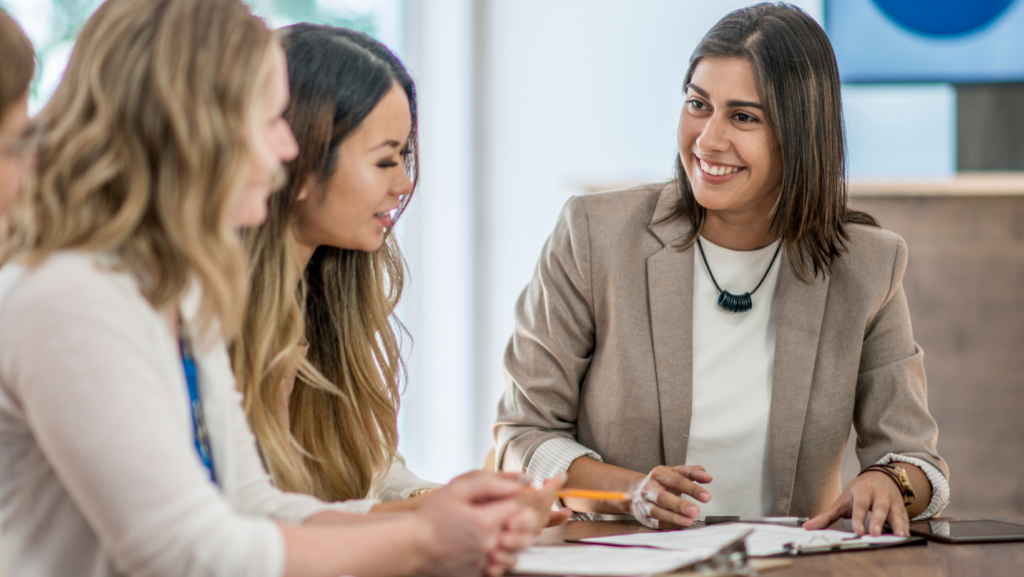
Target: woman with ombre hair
(124,449)
(318,359)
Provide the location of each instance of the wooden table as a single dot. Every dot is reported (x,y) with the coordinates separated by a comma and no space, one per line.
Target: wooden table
(933,560)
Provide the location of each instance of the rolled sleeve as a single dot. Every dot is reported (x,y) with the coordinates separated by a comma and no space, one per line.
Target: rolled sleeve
(940,486)
(555,456)
(891,412)
(551,347)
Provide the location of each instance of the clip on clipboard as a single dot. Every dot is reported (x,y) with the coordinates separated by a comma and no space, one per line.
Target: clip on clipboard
(730,559)
(863,543)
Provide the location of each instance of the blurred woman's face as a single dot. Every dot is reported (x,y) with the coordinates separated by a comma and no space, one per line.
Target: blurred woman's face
(358,203)
(731,156)
(17,150)
(273,145)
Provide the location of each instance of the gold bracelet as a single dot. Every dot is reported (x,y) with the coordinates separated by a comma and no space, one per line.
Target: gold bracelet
(419,492)
(898,476)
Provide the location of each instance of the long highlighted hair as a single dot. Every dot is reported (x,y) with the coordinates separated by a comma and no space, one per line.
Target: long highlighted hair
(147,144)
(342,411)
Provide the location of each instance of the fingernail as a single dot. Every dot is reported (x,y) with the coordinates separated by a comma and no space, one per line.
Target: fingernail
(685,521)
(692,511)
(705,497)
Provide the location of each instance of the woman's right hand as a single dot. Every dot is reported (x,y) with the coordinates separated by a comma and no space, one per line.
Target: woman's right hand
(657,499)
(463,522)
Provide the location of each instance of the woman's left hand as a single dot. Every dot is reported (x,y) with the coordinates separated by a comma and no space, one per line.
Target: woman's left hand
(871,491)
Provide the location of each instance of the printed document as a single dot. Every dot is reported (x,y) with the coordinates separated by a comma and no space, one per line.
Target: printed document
(765,541)
(599,560)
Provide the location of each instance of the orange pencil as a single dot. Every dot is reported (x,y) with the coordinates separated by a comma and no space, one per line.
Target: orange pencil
(596,495)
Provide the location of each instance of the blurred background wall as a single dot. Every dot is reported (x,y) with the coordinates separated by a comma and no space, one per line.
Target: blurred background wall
(525,103)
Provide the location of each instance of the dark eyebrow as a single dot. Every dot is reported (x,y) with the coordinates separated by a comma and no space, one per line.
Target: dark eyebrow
(730,104)
(391,143)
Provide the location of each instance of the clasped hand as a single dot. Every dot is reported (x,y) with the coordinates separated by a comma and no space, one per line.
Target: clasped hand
(481,520)
(657,499)
(871,491)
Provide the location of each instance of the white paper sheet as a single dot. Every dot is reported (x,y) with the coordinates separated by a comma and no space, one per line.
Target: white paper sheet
(600,560)
(766,540)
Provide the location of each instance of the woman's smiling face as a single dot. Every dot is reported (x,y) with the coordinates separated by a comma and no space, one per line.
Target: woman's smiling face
(731,156)
(356,205)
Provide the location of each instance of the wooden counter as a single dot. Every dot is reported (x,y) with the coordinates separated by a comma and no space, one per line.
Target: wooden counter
(966,184)
(969,184)
(965,288)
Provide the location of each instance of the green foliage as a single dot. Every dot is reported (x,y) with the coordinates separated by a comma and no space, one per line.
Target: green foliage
(285,12)
(68,17)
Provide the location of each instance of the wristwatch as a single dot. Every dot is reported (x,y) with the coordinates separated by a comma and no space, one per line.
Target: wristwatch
(899,476)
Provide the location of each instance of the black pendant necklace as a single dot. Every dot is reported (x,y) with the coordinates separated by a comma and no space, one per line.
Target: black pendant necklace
(728,301)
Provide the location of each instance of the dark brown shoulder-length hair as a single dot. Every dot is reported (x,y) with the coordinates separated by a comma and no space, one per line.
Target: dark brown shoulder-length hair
(798,80)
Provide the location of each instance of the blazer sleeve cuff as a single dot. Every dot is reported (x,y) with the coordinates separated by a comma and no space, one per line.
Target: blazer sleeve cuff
(554,456)
(940,486)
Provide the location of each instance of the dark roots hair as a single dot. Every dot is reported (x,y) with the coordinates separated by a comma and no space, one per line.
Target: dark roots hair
(342,427)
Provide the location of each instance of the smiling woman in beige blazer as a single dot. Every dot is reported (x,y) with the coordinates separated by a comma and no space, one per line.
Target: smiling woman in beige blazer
(622,370)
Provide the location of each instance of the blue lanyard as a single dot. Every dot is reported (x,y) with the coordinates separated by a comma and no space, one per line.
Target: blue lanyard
(201,435)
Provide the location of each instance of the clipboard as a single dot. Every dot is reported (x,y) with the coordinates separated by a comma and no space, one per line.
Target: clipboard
(853,544)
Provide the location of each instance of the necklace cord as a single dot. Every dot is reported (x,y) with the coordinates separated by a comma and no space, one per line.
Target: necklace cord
(712,275)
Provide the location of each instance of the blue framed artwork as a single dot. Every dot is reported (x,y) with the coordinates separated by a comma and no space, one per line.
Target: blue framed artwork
(959,41)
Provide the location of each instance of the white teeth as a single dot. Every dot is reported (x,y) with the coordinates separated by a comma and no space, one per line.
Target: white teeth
(717,170)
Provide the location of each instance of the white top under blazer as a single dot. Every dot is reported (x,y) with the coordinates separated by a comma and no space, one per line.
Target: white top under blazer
(99,474)
(733,361)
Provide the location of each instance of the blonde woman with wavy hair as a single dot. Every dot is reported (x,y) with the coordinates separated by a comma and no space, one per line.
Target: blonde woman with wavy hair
(123,446)
(318,360)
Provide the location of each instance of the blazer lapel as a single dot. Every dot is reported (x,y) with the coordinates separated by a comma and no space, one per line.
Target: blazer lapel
(670,290)
(797,329)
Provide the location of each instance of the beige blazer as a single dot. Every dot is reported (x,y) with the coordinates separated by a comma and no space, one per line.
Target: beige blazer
(603,343)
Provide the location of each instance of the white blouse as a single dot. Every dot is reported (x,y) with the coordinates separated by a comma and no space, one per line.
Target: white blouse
(99,474)
(733,358)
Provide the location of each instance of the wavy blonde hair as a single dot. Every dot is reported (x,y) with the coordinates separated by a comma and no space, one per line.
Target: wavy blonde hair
(148,144)
(341,426)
